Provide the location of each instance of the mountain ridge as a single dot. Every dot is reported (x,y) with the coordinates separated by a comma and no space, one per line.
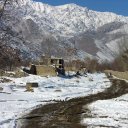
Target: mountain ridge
(89,33)
(71,16)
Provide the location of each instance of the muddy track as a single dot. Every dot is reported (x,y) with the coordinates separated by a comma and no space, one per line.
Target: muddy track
(67,114)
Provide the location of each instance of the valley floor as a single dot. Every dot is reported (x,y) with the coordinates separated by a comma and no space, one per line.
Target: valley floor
(14,101)
(55,102)
(102,110)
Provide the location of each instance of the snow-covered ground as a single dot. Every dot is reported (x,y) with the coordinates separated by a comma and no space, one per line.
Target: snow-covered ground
(108,113)
(14,101)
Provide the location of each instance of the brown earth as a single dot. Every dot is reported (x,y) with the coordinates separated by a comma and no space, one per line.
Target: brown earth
(120,75)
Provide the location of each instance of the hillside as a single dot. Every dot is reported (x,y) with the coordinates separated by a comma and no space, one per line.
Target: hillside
(69,31)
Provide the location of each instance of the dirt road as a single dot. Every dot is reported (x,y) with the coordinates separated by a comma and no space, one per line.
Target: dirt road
(67,114)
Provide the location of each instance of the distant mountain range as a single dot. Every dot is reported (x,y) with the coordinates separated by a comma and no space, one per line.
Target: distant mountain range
(68,31)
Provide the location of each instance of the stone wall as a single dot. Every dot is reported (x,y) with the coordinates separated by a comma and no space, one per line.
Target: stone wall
(44,70)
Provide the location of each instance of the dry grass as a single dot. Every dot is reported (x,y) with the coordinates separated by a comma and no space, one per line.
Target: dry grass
(122,75)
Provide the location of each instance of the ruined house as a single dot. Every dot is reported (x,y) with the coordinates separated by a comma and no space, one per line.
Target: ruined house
(48,66)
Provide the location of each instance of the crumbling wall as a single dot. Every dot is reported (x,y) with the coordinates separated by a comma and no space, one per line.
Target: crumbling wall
(44,70)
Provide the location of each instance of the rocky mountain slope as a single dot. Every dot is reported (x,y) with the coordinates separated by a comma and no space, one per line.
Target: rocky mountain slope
(69,31)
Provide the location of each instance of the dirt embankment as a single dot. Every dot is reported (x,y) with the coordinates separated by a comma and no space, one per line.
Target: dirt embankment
(120,75)
(67,114)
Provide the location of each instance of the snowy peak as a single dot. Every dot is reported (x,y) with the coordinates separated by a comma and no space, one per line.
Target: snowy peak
(24,2)
(37,7)
(71,6)
(67,19)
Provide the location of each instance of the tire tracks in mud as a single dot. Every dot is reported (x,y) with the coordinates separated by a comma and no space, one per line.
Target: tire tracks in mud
(67,114)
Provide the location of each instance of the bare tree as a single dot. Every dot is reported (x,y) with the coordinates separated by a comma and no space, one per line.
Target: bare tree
(9,56)
(48,50)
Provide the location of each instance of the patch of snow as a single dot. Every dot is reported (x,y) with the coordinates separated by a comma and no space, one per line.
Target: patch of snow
(14,101)
(108,113)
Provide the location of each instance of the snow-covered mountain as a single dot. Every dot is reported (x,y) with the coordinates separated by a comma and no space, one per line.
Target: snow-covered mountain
(60,29)
(67,19)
